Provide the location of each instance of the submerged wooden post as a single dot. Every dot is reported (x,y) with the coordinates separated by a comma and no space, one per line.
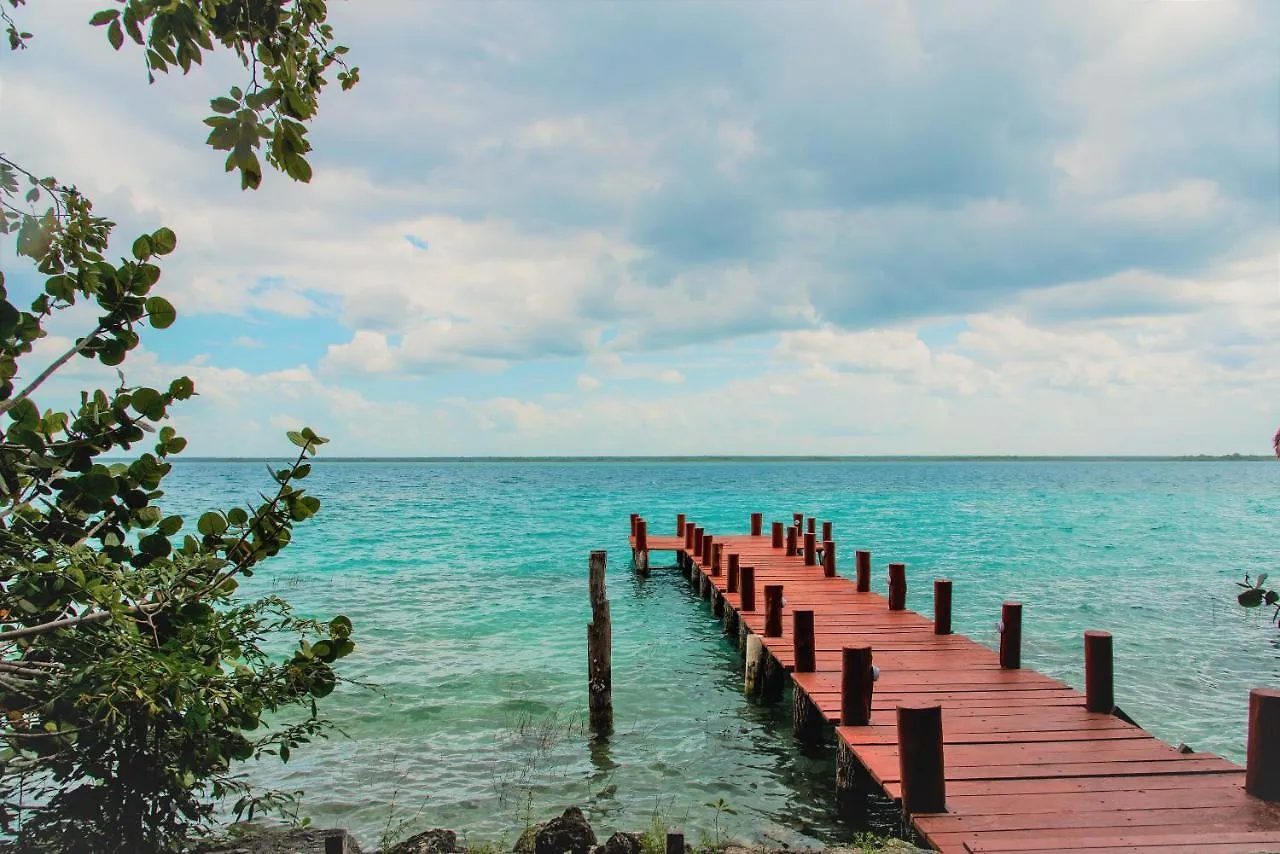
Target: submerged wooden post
(897,586)
(773,680)
(791,540)
(829,558)
(773,610)
(747,588)
(732,586)
(675,841)
(679,524)
(717,551)
(810,548)
(826,531)
(599,650)
(757,524)
(642,546)
(864,570)
(1262,763)
(777,535)
(942,606)
(755,665)
(1099,673)
(802,640)
(857,682)
(920,761)
(1011,635)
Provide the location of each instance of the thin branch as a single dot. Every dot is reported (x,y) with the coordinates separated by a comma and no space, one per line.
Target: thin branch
(69,622)
(49,371)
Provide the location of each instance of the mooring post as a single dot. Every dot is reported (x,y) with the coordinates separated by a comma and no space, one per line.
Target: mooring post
(757,524)
(755,665)
(747,588)
(791,540)
(826,531)
(797,520)
(1099,673)
(717,552)
(857,682)
(634,517)
(697,541)
(813,525)
(897,586)
(679,524)
(920,761)
(942,606)
(732,585)
(777,535)
(1262,763)
(828,558)
(773,610)
(675,841)
(599,650)
(689,528)
(642,546)
(707,542)
(810,548)
(1011,635)
(802,640)
(864,570)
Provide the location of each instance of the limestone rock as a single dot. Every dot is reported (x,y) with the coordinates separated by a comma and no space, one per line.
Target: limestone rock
(434,841)
(570,832)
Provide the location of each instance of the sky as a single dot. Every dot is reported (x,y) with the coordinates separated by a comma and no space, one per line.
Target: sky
(754,227)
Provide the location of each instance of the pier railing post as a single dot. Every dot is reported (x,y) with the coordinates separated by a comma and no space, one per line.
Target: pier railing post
(1262,768)
(634,517)
(689,529)
(1011,635)
(857,682)
(791,540)
(747,588)
(829,558)
(920,760)
(1099,673)
(733,572)
(897,587)
(773,610)
(810,548)
(813,526)
(826,531)
(642,546)
(797,520)
(757,523)
(863,558)
(599,650)
(802,641)
(717,551)
(707,542)
(679,524)
(697,541)
(777,535)
(942,606)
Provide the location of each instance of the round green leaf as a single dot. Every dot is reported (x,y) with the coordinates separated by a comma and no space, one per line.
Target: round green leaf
(237,516)
(142,248)
(212,524)
(161,312)
(340,627)
(155,544)
(1251,598)
(164,241)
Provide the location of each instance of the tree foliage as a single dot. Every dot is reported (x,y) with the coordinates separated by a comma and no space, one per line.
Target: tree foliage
(132,675)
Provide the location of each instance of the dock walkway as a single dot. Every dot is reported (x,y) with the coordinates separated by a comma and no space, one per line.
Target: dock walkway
(1027,767)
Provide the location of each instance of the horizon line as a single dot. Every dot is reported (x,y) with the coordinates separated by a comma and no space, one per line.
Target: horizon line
(763,458)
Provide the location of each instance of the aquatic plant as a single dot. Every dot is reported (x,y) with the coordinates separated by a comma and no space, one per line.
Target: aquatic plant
(132,677)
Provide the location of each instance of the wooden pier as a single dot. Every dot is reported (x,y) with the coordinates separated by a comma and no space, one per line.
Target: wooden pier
(981,754)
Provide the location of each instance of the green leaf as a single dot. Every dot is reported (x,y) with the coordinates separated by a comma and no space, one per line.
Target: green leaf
(106,16)
(157,545)
(1251,598)
(115,35)
(340,627)
(164,241)
(161,312)
(237,516)
(212,524)
(223,105)
(297,438)
(170,525)
(182,388)
(98,484)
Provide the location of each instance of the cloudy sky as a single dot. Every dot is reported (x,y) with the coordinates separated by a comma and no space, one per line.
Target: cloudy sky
(563,227)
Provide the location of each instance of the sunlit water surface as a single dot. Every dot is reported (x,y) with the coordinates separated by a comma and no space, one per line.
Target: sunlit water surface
(467,586)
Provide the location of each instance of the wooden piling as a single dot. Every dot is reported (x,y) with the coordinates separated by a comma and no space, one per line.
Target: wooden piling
(777,535)
(857,682)
(802,641)
(707,542)
(1262,763)
(675,841)
(642,546)
(747,588)
(851,798)
(1099,673)
(773,679)
(1011,635)
(336,843)
(717,553)
(813,526)
(826,531)
(791,540)
(922,769)
(732,580)
(828,558)
(863,558)
(757,524)
(942,606)
(897,586)
(697,540)
(810,548)
(807,721)
(773,610)
(689,528)
(797,520)
(755,665)
(599,650)
(634,517)
(679,524)
(717,603)
(707,585)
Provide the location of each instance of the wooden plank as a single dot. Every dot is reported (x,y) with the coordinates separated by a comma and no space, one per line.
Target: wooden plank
(1269,840)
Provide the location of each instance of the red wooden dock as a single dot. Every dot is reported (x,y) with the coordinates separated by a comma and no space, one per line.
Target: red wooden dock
(1027,767)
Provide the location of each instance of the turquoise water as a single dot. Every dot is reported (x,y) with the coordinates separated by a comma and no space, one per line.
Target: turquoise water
(467,586)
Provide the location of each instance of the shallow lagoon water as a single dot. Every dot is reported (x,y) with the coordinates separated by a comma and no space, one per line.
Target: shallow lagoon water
(466,582)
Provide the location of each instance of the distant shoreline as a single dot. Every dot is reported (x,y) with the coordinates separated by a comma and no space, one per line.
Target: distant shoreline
(888,458)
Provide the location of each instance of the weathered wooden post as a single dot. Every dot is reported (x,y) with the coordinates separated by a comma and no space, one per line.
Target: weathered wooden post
(797,520)
(336,843)
(826,531)
(751,675)
(791,540)
(689,528)
(642,546)
(857,682)
(897,586)
(1011,635)
(864,570)
(777,535)
(802,640)
(813,525)
(679,524)
(717,552)
(732,580)
(634,517)
(697,541)
(829,558)
(942,606)
(675,841)
(747,588)
(773,610)
(806,718)
(1262,763)
(757,524)
(920,760)
(1099,673)
(810,548)
(599,650)
(707,542)
(773,681)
